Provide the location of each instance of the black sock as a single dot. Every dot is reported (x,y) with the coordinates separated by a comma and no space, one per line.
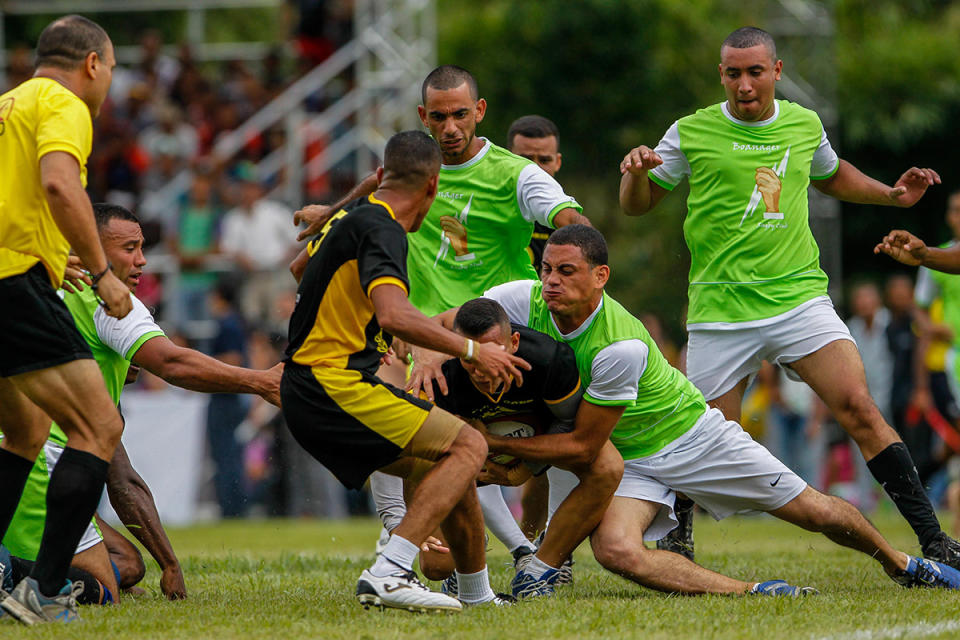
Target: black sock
(893,468)
(14,471)
(72,498)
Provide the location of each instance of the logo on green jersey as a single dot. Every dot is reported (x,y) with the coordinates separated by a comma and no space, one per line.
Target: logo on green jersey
(453,233)
(767,188)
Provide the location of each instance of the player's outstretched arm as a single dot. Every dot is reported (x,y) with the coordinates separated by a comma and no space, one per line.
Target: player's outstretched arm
(317,215)
(130,497)
(71,210)
(852,185)
(639,194)
(195,371)
(907,248)
(576,449)
(396,315)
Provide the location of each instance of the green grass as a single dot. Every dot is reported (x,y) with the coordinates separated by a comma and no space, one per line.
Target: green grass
(295,579)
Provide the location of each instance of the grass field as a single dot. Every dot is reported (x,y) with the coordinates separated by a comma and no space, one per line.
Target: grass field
(295,579)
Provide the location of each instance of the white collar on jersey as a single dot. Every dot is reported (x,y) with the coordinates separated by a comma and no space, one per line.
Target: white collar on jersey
(726,111)
(583,326)
(472,161)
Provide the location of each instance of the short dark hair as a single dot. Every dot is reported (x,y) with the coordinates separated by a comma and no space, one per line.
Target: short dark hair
(589,240)
(66,42)
(411,158)
(476,317)
(449,76)
(532,126)
(746,37)
(104,212)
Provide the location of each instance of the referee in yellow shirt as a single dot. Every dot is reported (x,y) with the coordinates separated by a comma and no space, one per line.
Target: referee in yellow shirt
(46,368)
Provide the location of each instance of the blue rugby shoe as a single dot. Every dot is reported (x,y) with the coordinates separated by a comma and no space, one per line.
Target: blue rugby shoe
(921,572)
(524,585)
(782,588)
(29,606)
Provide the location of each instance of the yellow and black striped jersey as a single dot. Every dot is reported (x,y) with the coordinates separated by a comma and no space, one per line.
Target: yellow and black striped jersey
(333,323)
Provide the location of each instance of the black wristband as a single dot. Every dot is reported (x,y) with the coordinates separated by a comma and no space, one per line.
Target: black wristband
(94,279)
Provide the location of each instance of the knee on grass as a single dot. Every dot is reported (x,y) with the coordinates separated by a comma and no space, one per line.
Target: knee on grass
(623,556)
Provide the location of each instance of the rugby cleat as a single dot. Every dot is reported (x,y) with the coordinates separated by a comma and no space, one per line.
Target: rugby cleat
(522,556)
(943,549)
(524,585)
(927,573)
(781,588)
(680,540)
(450,586)
(565,574)
(402,590)
(29,606)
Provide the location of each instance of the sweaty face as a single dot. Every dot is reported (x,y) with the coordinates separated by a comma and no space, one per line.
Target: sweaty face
(122,241)
(749,77)
(570,284)
(452,116)
(543,151)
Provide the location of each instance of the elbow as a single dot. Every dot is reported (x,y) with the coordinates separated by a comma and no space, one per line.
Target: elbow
(389,321)
(53,186)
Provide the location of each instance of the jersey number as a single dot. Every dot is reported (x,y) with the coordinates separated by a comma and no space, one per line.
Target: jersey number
(314,244)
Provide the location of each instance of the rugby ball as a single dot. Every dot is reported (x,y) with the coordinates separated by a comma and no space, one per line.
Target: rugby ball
(512,426)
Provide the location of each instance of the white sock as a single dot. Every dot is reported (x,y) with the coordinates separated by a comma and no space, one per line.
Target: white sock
(399,553)
(387,493)
(538,567)
(562,482)
(474,588)
(497,516)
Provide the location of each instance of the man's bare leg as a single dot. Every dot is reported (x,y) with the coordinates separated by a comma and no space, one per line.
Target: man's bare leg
(96,562)
(842,523)
(124,554)
(580,513)
(836,374)
(618,546)
(75,396)
(731,402)
(534,503)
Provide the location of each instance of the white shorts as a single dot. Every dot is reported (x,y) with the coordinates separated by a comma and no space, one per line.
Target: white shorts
(91,537)
(717,465)
(719,355)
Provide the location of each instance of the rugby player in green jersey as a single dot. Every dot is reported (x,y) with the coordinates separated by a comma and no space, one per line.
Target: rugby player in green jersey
(117,344)
(669,438)
(757,291)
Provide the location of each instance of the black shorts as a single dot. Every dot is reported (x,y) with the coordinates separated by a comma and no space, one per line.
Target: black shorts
(352,422)
(36,328)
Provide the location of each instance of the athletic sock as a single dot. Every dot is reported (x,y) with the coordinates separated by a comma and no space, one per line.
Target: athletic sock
(474,588)
(399,552)
(893,468)
(538,567)
(14,471)
(387,493)
(499,519)
(76,485)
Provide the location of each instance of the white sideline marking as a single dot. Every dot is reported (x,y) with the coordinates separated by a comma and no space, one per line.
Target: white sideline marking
(918,630)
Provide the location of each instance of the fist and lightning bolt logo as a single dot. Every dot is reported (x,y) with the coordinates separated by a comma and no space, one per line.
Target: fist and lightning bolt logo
(453,233)
(767,189)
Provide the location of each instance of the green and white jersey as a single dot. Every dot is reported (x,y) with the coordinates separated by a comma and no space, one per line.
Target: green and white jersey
(753,255)
(477,231)
(936,284)
(620,365)
(113,341)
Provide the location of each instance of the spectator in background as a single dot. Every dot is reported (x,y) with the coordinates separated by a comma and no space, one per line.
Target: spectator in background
(868,326)
(902,338)
(792,421)
(226,411)
(258,236)
(193,240)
